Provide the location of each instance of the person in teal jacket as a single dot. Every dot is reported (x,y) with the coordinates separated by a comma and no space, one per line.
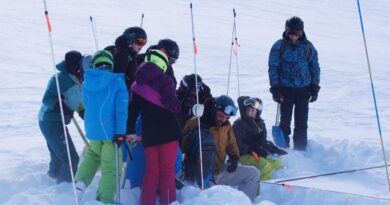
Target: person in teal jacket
(50,121)
(105,100)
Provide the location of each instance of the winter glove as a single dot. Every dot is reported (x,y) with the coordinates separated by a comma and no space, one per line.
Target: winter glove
(119,139)
(232,164)
(197,110)
(280,152)
(313,92)
(277,94)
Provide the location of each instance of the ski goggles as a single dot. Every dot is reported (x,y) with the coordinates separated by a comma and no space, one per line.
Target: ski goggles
(228,110)
(140,41)
(253,103)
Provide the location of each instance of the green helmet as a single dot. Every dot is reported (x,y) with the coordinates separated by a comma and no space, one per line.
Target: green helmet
(159,58)
(103,59)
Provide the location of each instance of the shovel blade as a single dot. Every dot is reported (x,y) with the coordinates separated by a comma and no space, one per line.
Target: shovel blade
(277,134)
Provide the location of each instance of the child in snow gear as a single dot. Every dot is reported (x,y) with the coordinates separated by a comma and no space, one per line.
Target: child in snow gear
(251,136)
(50,122)
(216,119)
(153,94)
(186,93)
(105,99)
(294,75)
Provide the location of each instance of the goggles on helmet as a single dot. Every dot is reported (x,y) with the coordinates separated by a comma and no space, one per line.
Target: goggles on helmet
(228,110)
(253,103)
(141,41)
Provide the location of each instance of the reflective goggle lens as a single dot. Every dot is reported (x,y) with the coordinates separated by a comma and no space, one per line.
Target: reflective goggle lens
(140,41)
(230,110)
(253,103)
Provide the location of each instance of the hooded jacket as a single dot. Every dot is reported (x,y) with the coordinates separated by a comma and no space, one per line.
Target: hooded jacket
(153,96)
(293,65)
(70,92)
(251,134)
(105,99)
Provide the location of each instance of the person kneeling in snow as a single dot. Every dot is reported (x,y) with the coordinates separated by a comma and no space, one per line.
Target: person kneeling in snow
(50,120)
(105,99)
(251,135)
(216,119)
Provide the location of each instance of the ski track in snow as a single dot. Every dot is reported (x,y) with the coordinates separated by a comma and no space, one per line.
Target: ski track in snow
(343,132)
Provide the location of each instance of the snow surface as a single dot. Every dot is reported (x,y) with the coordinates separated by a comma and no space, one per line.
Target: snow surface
(343,132)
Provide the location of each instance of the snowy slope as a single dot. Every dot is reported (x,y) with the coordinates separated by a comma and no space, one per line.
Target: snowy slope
(342,126)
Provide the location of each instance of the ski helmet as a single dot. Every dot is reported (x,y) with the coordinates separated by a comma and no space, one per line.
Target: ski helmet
(157,57)
(189,82)
(135,35)
(104,60)
(294,24)
(171,48)
(255,103)
(225,104)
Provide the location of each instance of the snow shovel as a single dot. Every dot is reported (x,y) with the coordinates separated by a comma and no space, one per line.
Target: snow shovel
(277,132)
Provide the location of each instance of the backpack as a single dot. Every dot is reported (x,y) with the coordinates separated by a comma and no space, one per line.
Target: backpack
(192,160)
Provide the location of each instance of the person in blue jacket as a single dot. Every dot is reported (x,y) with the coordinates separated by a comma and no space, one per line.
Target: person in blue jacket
(294,75)
(105,99)
(49,116)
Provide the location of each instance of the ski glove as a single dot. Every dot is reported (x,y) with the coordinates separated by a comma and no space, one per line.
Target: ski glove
(232,164)
(197,110)
(277,94)
(119,139)
(313,92)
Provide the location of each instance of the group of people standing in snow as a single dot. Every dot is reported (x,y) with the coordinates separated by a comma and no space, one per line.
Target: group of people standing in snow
(123,95)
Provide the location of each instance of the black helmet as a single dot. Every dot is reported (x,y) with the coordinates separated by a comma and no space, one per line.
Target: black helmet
(189,82)
(134,33)
(73,62)
(294,24)
(225,104)
(171,48)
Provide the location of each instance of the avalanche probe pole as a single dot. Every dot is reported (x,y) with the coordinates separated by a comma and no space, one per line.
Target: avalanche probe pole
(60,102)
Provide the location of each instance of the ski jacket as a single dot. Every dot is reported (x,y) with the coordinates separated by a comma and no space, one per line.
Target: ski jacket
(153,96)
(224,136)
(251,134)
(293,65)
(105,99)
(70,92)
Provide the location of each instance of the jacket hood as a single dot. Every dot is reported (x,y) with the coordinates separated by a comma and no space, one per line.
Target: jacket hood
(96,79)
(61,67)
(147,72)
(121,42)
(287,39)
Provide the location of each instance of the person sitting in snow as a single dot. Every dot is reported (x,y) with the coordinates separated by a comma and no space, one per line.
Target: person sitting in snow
(251,136)
(105,99)
(217,112)
(186,93)
(50,120)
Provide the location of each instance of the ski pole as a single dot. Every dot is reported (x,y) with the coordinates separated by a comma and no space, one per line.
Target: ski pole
(197,96)
(326,174)
(373,94)
(142,20)
(231,52)
(236,51)
(60,100)
(118,196)
(93,26)
(80,132)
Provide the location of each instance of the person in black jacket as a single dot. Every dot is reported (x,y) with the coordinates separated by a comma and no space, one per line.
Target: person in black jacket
(251,136)
(186,94)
